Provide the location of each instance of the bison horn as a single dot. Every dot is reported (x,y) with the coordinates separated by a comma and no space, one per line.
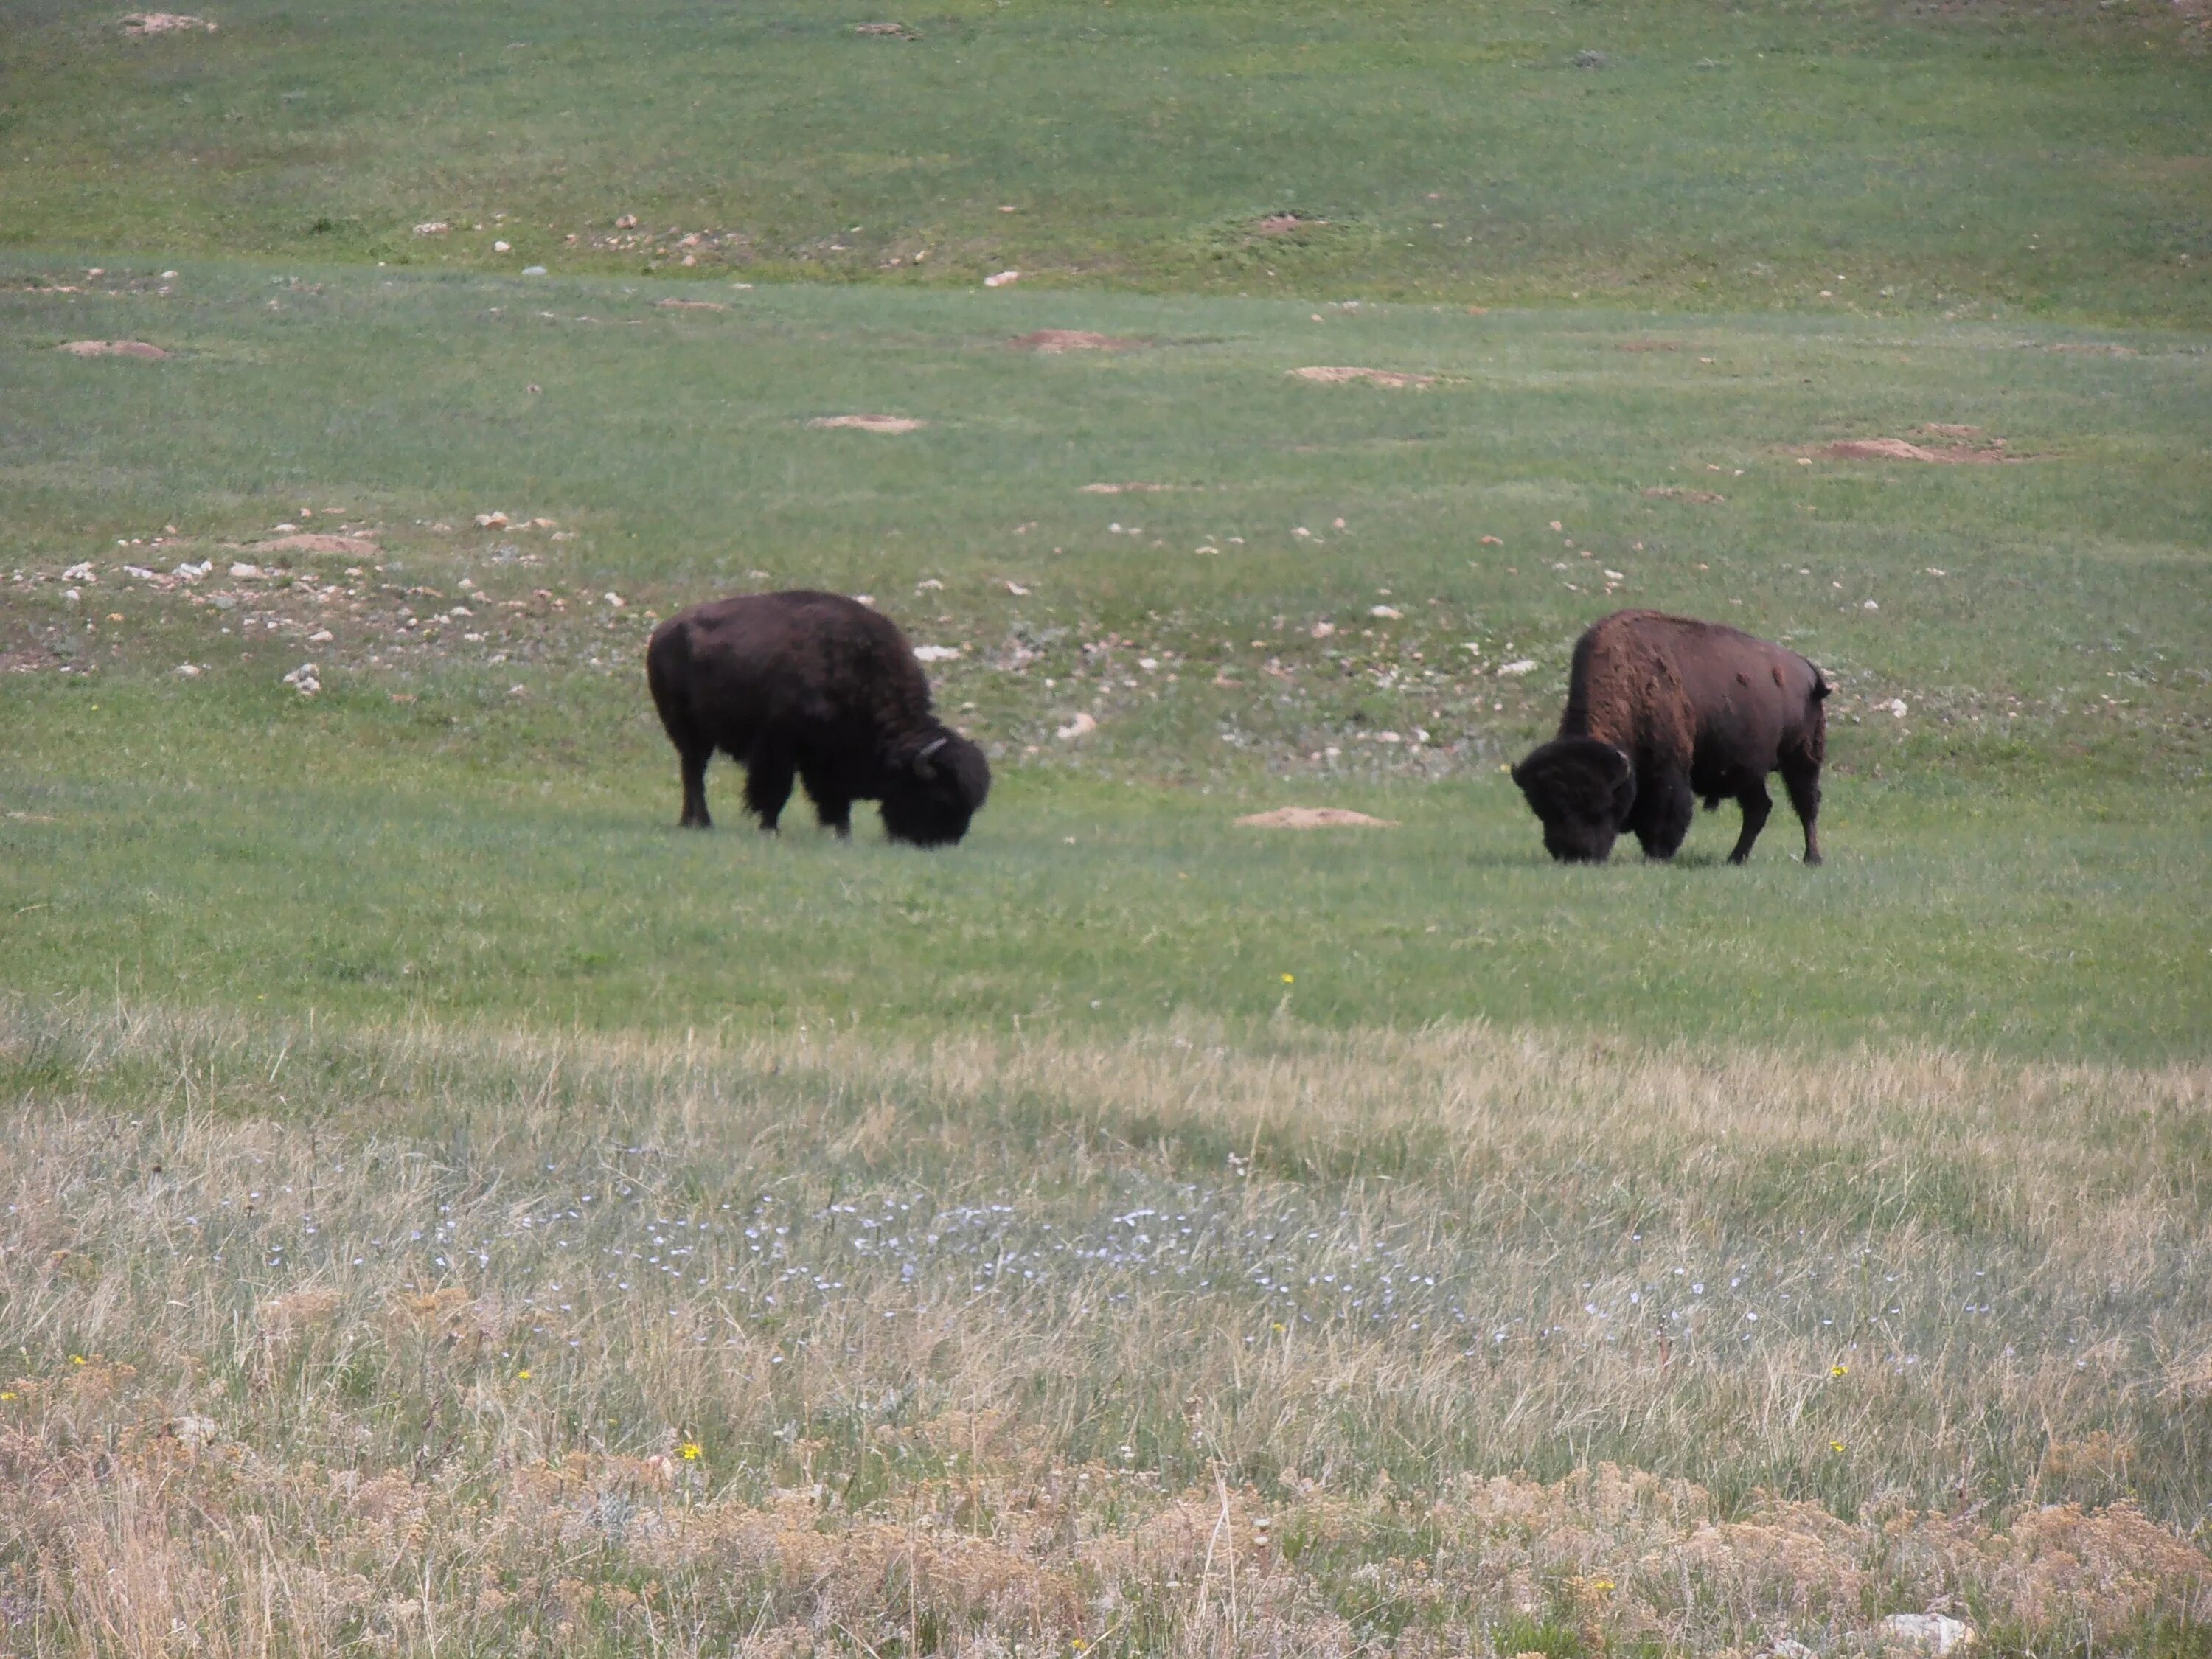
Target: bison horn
(922,768)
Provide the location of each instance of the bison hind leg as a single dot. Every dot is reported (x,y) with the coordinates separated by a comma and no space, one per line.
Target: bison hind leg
(1757,804)
(693,758)
(1802,779)
(768,787)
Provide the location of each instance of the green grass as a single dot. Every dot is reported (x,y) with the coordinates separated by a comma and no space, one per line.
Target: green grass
(1970,158)
(2010,858)
(392,1086)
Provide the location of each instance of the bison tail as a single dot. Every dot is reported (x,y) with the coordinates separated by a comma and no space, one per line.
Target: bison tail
(666,657)
(1821,686)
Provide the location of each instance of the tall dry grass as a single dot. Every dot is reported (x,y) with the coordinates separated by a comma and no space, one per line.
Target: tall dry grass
(1457,1341)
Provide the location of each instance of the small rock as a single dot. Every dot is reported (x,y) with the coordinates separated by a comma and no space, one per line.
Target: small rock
(1388,612)
(1081,726)
(303,679)
(194,1431)
(1002,279)
(491,521)
(518,690)
(1321,630)
(321,636)
(432,227)
(1870,606)
(192,573)
(1929,1632)
(615,599)
(1897,707)
(1591,59)
(1519,665)
(186,671)
(533,270)
(502,247)
(245,572)
(1787,1647)
(936,652)
(80,572)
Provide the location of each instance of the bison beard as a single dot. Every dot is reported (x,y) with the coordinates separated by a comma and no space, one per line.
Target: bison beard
(819,689)
(1662,710)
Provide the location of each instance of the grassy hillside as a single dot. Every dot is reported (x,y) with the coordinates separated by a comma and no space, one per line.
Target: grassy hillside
(473,814)
(448,1211)
(1977,158)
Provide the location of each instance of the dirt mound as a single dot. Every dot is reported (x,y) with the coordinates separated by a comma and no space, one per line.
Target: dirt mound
(1283,224)
(687,305)
(1670,492)
(1341,375)
(1314,818)
(114,348)
(1071,339)
(164,22)
(355,546)
(868,422)
(1896,449)
(891,31)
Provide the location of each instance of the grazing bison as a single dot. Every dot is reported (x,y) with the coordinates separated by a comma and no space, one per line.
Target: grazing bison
(817,686)
(1661,709)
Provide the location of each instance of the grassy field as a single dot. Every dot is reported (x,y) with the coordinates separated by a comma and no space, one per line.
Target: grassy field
(1972,158)
(450,1211)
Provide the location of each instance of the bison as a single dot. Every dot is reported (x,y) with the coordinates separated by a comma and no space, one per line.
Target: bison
(818,686)
(1662,710)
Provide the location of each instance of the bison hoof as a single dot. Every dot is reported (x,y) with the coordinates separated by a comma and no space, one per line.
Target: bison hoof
(1812,859)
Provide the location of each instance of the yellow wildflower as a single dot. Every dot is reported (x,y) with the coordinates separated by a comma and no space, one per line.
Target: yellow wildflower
(692,1451)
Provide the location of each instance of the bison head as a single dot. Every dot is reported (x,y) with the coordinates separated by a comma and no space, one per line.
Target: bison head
(1583,790)
(932,788)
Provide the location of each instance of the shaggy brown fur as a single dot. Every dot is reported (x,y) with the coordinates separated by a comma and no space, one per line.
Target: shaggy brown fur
(1662,709)
(818,686)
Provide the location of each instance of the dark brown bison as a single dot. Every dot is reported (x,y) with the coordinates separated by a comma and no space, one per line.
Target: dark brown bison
(1662,710)
(818,686)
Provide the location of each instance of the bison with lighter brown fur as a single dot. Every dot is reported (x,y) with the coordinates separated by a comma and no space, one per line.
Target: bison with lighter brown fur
(1662,710)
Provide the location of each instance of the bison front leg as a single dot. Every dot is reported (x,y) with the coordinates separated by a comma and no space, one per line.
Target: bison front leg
(1662,815)
(768,787)
(1756,804)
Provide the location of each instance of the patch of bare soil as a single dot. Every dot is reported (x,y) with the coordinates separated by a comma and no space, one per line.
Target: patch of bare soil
(355,546)
(1670,492)
(114,348)
(1283,224)
(868,422)
(2095,348)
(1386,377)
(1072,339)
(164,22)
(891,31)
(1647,345)
(1124,488)
(687,305)
(1314,818)
(1896,449)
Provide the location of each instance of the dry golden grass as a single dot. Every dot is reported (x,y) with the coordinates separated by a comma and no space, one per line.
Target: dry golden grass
(1453,1342)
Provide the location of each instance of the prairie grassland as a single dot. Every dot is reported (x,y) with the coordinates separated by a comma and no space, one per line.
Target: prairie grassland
(1461,1340)
(1970,160)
